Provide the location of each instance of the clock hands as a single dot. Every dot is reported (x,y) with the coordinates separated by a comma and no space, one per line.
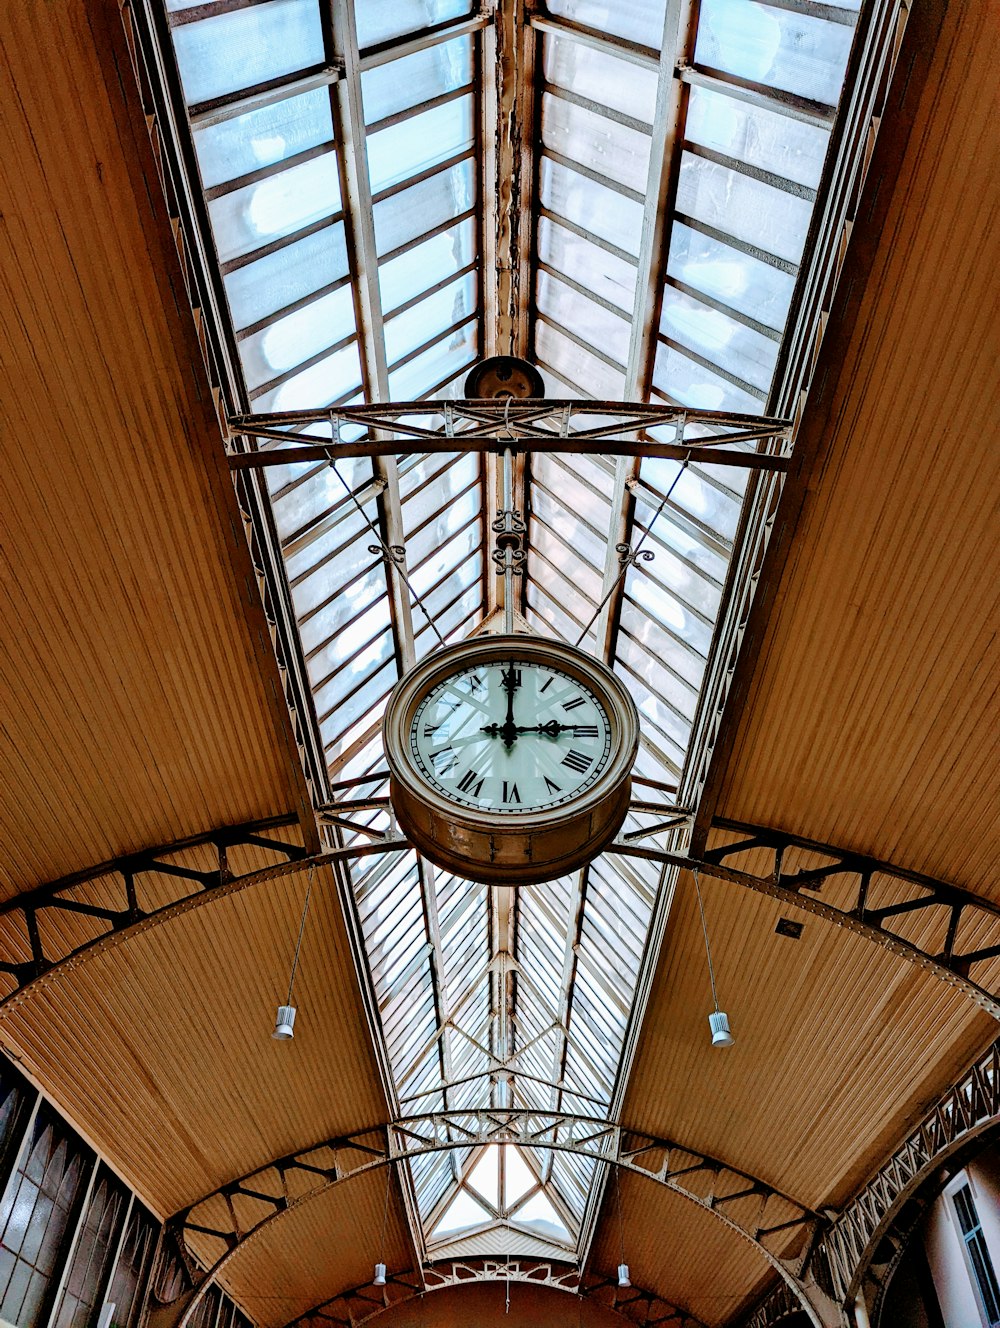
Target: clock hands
(551,729)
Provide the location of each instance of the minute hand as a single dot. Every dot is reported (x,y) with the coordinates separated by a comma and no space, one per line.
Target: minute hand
(553,728)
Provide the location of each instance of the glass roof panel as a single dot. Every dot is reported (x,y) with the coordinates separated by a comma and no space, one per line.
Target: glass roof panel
(380,20)
(425,139)
(639,21)
(781,48)
(350,224)
(398,85)
(463,1212)
(230,149)
(239,49)
(774,142)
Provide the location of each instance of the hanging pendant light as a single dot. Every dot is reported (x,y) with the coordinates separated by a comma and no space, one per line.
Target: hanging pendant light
(284,1023)
(718,1020)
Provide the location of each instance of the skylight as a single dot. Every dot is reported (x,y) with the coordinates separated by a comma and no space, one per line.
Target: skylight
(341,169)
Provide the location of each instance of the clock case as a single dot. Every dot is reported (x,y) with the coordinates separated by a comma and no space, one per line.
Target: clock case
(516,848)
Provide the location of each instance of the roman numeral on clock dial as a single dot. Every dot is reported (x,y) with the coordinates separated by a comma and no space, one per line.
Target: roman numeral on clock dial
(577,761)
(471,783)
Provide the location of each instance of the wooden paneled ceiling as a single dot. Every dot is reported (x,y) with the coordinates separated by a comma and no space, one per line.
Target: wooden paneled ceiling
(141,704)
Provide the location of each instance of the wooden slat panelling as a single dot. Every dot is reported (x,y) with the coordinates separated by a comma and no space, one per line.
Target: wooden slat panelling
(138,688)
(161,1049)
(872,717)
(838,1044)
(688,1255)
(327,1246)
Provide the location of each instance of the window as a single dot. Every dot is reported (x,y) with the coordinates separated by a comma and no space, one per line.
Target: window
(36,1219)
(980,1263)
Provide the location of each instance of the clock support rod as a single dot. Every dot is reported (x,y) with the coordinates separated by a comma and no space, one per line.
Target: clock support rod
(509,552)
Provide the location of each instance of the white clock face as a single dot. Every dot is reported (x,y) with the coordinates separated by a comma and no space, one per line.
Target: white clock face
(510,736)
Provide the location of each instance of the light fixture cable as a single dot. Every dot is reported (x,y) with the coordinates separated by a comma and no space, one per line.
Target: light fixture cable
(718,1020)
(298,943)
(380,1266)
(284,1024)
(393,555)
(623,1273)
(704,931)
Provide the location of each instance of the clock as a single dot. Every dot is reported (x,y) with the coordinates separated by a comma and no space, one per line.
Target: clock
(510,758)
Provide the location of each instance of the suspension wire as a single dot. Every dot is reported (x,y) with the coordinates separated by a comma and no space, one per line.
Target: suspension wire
(385,1213)
(621,1223)
(388,554)
(298,943)
(629,558)
(704,928)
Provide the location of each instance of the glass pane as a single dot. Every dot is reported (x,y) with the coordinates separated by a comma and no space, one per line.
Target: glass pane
(88,1270)
(400,84)
(380,20)
(591,206)
(727,274)
(587,320)
(298,337)
(247,46)
(430,317)
(640,21)
(752,211)
(613,150)
(419,142)
(260,138)
(776,47)
(248,218)
(416,210)
(692,384)
(584,371)
(600,77)
(137,1251)
(588,264)
(413,271)
(331,379)
(416,378)
(35,1219)
(288,275)
(764,138)
(737,349)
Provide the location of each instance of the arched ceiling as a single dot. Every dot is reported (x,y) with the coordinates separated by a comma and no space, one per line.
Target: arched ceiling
(142,705)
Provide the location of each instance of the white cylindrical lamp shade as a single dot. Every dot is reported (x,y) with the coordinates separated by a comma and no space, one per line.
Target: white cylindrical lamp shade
(722,1035)
(284,1024)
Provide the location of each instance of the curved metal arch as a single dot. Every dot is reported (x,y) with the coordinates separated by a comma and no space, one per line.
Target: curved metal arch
(777,1307)
(799,889)
(969,1108)
(237,1213)
(636,1305)
(900,892)
(51,957)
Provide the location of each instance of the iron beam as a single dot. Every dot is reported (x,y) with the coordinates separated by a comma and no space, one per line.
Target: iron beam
(959,911)
(52,956)
(287,1183)
(636,1305)
(606,446)
(802,889)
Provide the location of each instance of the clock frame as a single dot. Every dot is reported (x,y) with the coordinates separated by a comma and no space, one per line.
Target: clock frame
(516,848)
